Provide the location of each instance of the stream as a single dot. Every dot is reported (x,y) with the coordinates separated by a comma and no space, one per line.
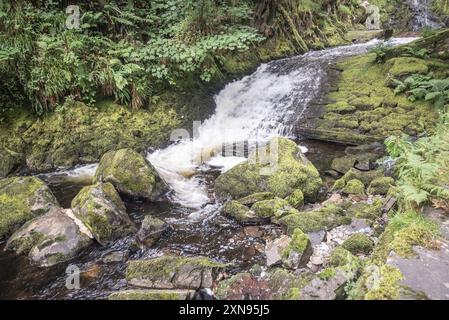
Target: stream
(253,109)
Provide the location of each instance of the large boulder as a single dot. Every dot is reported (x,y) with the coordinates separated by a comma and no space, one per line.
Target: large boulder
(325,218)
(131,174)
(280,173)
(22,199)
(242,214)
(173,272)
(49,239)
(100,208)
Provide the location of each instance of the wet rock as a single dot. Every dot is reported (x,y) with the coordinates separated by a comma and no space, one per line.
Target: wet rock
(115,256)
(152,295)
(253,232)
(22,199)
(241,213)
(173,272)
(380,186)
(354,187)
(90,275)
(312,221)
(278,284)
(256,197)
(344,164)
(100,208)
(49,239)
(359,243)
(131,174)
(151,231)
(425,276)
(292,171)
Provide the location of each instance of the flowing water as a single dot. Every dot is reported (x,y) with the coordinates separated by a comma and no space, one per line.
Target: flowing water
(264,104)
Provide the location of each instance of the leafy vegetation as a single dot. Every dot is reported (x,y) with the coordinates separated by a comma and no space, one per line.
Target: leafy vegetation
(124,50)
(131,50)
(425,87)
(422,166)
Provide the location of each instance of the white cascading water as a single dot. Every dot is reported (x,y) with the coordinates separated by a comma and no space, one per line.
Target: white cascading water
(255,108)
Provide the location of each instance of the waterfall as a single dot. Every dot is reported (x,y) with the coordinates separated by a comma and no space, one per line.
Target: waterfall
(264,104)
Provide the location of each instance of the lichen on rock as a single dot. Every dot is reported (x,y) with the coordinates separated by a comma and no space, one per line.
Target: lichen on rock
(22,199)
(103,212)
(131,174)
(287,172)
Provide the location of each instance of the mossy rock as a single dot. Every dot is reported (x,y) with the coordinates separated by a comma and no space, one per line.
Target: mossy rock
(296,199)
(341,257)
(366,177)
(100,208)
(387,286)
(359,243)
(404,66)
(256,197)
(131,174)
(326,218)
(367,210)
(381,186)
(280,175)
(9,161)
(298,251)
(82,134)
(22,199)
(269,208)
(344,164)
(173,272)
(355,187)
(49,239)
(151,295)
(241,213)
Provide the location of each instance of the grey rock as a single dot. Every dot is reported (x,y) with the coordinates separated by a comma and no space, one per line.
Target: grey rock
(151,231)
(49,239)
(273,250)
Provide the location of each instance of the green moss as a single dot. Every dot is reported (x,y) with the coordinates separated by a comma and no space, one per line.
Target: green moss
(359,243)
(366,210)
(296,199)
(366,177)
(355,187)
(130,173)
(149,295)
(339,184)
(256,197)
(21,199)
(23,245)
(403,66)
(413,235)
(327,274)
(299,243)
(239,212)
(381,185)
(100,208)
(326,218)
(341,257)
(387,287)
(269,208)
(291,171)
(166,267)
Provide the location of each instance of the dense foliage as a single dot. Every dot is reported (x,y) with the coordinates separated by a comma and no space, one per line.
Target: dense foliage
(131,49)
(124,48)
